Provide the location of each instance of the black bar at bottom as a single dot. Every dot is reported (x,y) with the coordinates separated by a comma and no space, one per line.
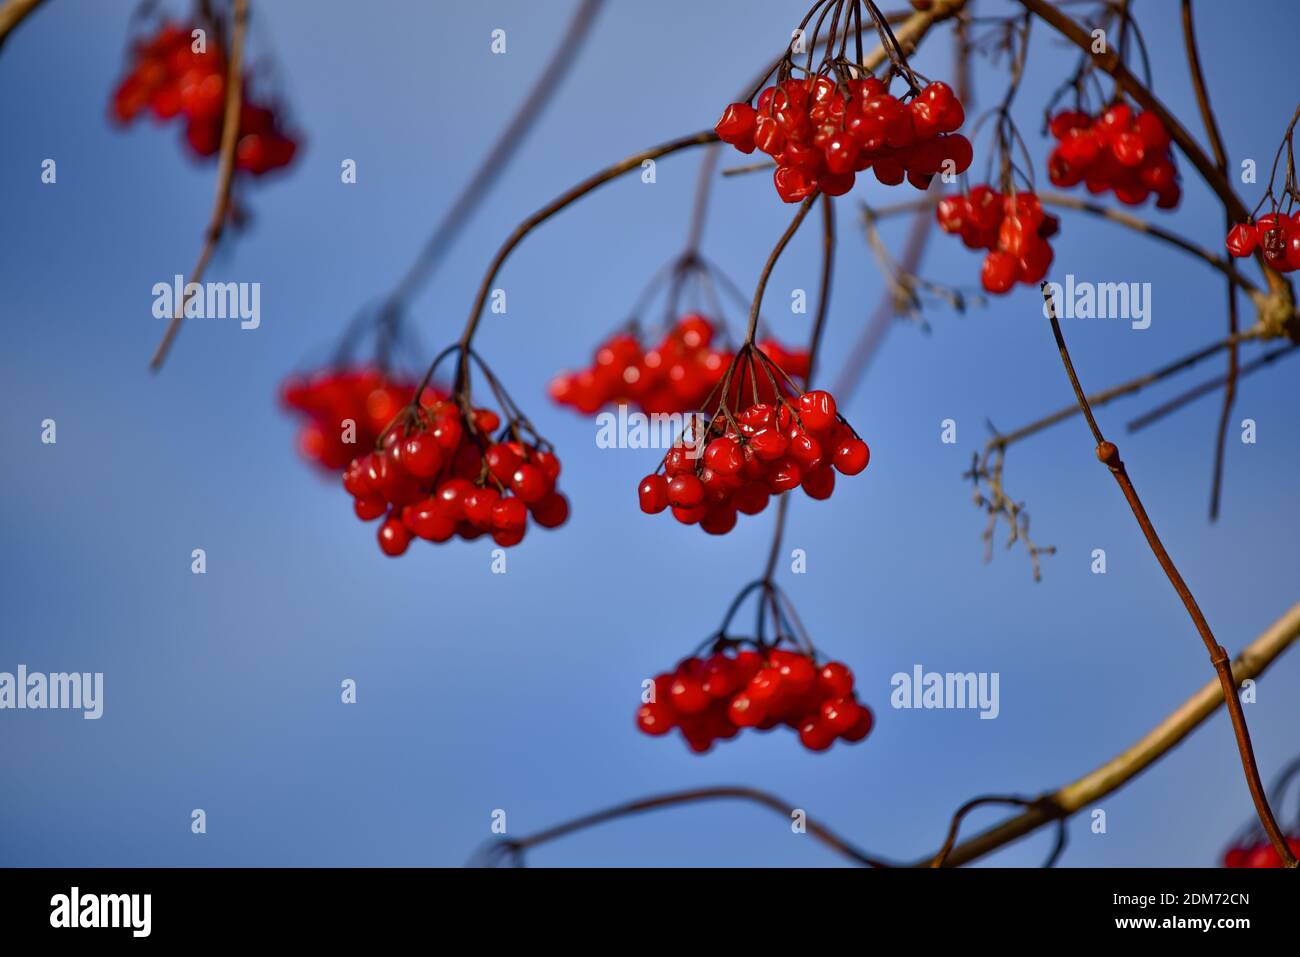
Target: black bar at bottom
(210,905)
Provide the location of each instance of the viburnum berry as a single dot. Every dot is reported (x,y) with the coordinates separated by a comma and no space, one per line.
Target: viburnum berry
(173,80)
(765,449)
(1259,854)
(436,472)
(716,697)
(1115,151)
(346,408)
(1275,235)
(823,130)
(675,375)
(1013,228)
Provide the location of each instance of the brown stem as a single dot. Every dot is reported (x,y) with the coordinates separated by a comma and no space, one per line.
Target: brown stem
(1221,161)
(1204,388)
(13,13)
(814,347)
(1118,391)
(656,802)
(1124,767)
(546,212)
(1052,806)
(1108,453)
(225,175)
(771,264)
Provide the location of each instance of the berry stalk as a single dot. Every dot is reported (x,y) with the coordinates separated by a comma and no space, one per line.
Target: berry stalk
(1108,453)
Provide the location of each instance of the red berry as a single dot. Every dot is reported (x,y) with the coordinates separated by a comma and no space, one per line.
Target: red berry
(862,727)
(851,456)
(394,537)
(653,494)
(552,511)
(509,515)
(1242,240)
(746,711)
(421,455)
(369,509)
(815,735)
(655,718)
(685,491)
(839,715)
(817,410)
(687,695)
(530,484)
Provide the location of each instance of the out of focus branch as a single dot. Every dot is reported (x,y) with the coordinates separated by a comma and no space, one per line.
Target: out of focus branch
(13,13)
(225,175)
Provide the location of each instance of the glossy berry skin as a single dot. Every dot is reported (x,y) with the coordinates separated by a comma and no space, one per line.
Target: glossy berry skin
(653,494)
(1242,240)
(685,491)
(755,452)
(851,456)
(655,718)
(394,538)
(817,410)
(436,480)
(422,456)
(687,696)
(718,697)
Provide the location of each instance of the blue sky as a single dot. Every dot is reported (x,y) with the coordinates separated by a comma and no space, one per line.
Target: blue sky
(479,691)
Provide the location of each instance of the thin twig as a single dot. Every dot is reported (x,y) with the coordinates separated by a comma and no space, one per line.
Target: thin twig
(1108,453)
(1124,767)
(1204,388)
(225,175)
(546,212)
(1220,161)
(659,801)
(13,13)
(1052,806)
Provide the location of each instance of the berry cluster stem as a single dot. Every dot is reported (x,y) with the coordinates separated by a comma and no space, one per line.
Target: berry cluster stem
(225,176)
(1108,453)
(546,212)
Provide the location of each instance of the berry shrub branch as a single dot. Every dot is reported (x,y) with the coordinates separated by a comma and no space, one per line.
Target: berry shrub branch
(546,212)
(225,175)
(1221,162)
(1108,454)
(1111,63)
(13,13)
(1159,741)
(1057,805)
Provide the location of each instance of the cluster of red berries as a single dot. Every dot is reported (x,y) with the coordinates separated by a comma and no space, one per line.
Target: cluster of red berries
(714,698)
(1012,227)
(170,78)
(1116,151)
(346,404)
(822,134)
(1259,854)
(1275,235)
(770,450)
(677,375)
(443,477)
